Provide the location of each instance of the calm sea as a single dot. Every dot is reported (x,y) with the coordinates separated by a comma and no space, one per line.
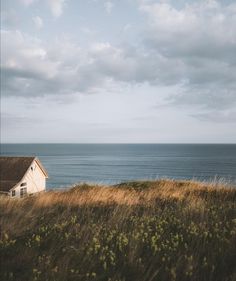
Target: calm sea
(68,164)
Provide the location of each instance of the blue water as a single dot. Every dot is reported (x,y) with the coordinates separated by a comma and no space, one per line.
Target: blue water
(68,164)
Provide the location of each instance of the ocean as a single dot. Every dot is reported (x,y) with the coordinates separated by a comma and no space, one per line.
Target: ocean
(68,164)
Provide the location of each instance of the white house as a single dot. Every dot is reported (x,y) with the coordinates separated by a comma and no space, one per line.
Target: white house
(21,176)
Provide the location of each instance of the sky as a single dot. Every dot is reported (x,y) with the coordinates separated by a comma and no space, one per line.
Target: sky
(118,71)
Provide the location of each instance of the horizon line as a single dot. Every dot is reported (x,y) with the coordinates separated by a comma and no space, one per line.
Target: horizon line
(3,143)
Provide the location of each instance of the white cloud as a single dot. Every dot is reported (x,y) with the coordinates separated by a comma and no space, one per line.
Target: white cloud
(182,63)
(204,29)
(56,7)
(108,5)
(192,47)
(24,65)
(27,2)
(38,22)
(200,38)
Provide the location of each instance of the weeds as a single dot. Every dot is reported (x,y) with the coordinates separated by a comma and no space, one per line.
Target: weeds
(164,231)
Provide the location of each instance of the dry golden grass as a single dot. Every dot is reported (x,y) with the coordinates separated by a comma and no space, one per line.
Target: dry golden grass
(132,193)
(197,194)
(155,230)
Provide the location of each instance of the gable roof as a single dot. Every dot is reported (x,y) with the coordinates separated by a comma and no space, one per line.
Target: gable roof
(13,169)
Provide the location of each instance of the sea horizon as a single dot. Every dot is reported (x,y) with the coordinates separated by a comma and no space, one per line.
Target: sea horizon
(111,163)
(231,143)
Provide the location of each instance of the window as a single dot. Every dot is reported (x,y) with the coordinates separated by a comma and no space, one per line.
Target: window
(23,184)
(23,191)
(13,193)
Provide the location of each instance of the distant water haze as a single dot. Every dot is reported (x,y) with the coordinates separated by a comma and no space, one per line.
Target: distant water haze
(68,164)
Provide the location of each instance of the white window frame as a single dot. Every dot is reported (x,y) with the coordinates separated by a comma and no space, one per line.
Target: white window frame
(23,191)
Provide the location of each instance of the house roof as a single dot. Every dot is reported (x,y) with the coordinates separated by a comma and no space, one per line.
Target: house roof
(13,169)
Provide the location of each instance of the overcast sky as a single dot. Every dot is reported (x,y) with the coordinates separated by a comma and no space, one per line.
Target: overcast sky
(130,71)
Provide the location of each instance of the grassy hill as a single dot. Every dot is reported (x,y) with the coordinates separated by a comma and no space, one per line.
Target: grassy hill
(142,231)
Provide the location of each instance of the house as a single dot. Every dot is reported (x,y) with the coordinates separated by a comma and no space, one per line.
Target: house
(21,176)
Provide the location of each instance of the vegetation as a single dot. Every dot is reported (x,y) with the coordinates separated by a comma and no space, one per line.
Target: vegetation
(143,231)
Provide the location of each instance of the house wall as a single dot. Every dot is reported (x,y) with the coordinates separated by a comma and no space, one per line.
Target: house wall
(35,181)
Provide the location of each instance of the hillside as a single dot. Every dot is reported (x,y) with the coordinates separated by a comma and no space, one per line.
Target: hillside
(143,231)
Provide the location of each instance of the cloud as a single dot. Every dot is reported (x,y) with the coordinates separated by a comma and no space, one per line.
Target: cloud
(217,116)
(56,7)
(201,29)
(24,65)
(27,2)
(192,46)
(38,22)
(200,38)
(108,5)
(30,67)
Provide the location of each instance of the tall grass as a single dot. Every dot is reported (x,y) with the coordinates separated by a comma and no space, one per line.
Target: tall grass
(157,230)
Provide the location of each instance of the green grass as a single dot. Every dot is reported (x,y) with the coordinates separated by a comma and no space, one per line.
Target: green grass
(162,230)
